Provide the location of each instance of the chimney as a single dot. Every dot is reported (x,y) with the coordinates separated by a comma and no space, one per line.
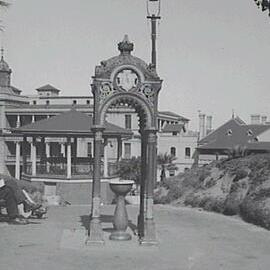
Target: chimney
(208,123)
(202,125)
(255,119)
(264,119)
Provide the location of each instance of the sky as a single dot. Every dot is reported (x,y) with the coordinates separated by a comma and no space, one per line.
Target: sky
(213,56)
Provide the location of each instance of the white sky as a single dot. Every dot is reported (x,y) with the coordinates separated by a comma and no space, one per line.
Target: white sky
(213,56)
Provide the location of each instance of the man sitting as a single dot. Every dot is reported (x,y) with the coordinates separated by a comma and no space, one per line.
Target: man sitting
(13,195)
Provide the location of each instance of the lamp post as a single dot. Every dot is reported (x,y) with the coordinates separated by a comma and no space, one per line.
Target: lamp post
(264,5)
(153,14)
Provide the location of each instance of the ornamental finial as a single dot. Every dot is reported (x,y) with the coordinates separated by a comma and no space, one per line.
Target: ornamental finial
(125,46)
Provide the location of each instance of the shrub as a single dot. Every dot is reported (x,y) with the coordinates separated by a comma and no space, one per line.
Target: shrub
(255,212)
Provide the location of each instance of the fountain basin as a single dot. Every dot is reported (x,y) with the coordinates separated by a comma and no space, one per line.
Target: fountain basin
(121,187)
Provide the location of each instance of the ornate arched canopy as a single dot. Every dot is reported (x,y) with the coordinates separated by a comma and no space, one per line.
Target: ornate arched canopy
(126,80)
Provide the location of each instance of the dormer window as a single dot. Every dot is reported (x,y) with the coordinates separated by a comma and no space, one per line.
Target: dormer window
(249,132)
(229,132)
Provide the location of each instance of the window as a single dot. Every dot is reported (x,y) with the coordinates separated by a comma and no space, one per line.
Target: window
(47,102)
(128,121)
(74,102)
(174,133)
(187,152)
(34,102)
(173,151)
(249,132)
(127,150)
(89,149)
(229,132)
(87,101)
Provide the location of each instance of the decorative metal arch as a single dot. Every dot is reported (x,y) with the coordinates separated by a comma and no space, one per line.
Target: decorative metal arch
(138,103)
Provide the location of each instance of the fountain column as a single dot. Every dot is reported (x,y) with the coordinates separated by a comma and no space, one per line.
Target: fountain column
(95,234)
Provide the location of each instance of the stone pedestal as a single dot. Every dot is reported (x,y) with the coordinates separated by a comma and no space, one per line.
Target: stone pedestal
(120,220)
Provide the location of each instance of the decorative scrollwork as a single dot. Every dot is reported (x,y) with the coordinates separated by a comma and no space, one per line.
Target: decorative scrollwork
(105,90)
(147,91)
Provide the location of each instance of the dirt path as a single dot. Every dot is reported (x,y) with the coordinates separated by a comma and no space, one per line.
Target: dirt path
(188,239)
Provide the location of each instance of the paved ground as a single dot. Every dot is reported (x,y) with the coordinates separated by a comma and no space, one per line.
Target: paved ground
(188,239)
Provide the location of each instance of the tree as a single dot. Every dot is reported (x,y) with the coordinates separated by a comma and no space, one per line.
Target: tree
(4,4)
(236,151)
(130,169)
(263,4)
(166,162)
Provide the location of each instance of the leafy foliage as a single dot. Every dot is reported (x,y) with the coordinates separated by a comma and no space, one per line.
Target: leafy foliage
(237,151)
(4,4)
(130,169)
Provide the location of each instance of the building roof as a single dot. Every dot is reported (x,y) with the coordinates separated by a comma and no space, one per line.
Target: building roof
(16,90)
(173,128)
(69,123)
(48,87)
(234,132)
(172,114)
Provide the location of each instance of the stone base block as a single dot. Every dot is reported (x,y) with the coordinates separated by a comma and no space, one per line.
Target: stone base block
(149,238)
(95,235)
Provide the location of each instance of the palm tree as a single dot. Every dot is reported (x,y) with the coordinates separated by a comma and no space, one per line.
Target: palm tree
(166,162)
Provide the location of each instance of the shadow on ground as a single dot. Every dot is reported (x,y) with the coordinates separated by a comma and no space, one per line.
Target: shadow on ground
(85,221)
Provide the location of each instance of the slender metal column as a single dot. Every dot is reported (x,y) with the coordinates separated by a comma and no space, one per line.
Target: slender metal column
(119,148)
(95,228)
(43,156)
(149,225)
(153,17)
(142,186)
(68,158)
(18,121)
(48,154)
(105,159)
(24,155)
(34,157)
(18,157)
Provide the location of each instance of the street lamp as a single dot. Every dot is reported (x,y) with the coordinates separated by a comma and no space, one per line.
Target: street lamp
(264,5)
(153,14)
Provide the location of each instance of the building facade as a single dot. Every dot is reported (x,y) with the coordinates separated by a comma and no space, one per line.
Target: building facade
(18,110)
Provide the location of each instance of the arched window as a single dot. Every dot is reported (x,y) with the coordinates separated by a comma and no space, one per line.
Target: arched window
(173,151)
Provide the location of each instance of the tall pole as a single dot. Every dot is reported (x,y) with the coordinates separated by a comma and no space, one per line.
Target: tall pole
(153,15)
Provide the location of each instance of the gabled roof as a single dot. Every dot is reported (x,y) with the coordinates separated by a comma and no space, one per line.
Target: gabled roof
(173,128)
(233,132)
(69,123)
(48,87)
